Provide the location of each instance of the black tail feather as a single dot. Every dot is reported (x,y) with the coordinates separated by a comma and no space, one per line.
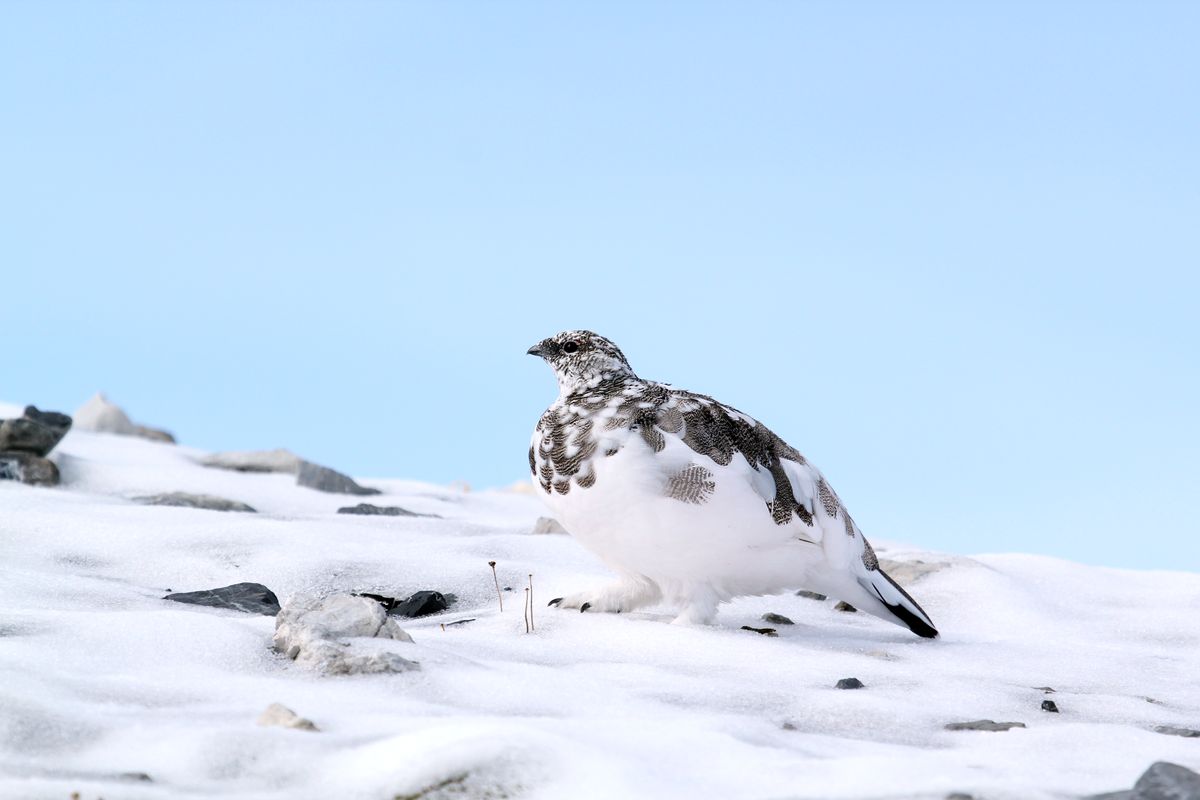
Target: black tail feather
(914,623)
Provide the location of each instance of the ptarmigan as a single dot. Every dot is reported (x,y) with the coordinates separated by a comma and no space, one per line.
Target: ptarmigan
(689,500)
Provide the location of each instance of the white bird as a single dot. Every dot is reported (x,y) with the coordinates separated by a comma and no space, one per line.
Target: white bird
(691,501)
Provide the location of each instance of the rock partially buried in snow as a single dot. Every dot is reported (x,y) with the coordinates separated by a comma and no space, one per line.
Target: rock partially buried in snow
(253,598)
(320,633)
(101,416)
(548,525)
(906,572)
(36,432)
(776,619)
(280,716)
(278,460)
(811,595)
(983,725)
(1173,730)
(1162,781)
(844,606)
(850,683)
(418,604)
(185,500)
(28,468)
(366,509)
(324,479)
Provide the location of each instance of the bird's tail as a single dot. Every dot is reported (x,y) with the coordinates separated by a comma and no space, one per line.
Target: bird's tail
(892,603)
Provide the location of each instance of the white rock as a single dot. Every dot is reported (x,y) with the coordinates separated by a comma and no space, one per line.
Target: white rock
(548,525)
(278,715)
(98,414)
(279,460)
(319,632)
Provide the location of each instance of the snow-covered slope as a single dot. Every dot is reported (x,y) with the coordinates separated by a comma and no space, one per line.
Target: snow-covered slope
(103,684)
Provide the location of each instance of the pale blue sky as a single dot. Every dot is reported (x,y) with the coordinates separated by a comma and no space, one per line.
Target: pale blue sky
(947,250)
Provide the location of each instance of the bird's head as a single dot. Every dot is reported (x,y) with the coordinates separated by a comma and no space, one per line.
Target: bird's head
(581,358)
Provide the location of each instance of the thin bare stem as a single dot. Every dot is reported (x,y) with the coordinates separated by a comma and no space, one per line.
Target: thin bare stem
(532,627)
(527,610)
(499,594)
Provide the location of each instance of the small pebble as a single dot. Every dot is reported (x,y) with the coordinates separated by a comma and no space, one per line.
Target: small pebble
(844,606)
(1050,705)
(811,595)
(776,619)
(850,683)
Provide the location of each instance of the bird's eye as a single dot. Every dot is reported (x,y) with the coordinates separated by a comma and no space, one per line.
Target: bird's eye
(570,347)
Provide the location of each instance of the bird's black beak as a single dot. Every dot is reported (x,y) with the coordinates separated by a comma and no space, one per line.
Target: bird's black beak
(536,350)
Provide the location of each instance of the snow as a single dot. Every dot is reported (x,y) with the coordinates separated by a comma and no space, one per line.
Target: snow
(101,679)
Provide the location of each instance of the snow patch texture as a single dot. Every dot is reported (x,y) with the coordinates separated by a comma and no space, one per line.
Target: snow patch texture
(101,680)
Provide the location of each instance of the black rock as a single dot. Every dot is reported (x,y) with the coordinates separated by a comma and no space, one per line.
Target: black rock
(422,604)
(983,725)
(1050,705)
(811,595)
(850,683)
(776,619)
(381,511)
(763,631)
(203,501)
(844,606)
(253,598)
(419,604)
(324,479)
(28,468)
(1172,730)
(37,432)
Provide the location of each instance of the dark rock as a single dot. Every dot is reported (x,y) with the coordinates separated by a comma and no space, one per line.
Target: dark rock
(1050,705)
(1172,730)
(850,683)
(37,432)
(185,500)
(983,725)
(140,777)
(763,631)
(811,595)
(1167,781)
(381,511)
(419,604)
(844,606)
(253,598)
(422,604)
(324,479)
(776,619)
(789,726)
(1162,781)
(28,468)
